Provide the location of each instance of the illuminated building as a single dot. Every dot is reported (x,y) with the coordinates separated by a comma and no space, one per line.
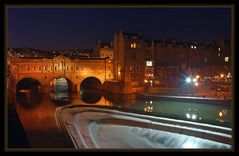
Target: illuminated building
(103,50)
(129,62)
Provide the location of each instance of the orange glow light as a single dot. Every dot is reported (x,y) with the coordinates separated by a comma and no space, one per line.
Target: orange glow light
(220,114)
(196,84)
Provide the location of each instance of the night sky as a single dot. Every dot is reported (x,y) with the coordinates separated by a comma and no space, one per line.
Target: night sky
(56,28)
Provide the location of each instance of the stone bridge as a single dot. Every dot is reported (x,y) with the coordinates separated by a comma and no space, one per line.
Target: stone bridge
(45,70)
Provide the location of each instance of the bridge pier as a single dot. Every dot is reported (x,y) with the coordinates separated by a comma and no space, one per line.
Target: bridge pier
(45,89)
(11,91)
(78,88)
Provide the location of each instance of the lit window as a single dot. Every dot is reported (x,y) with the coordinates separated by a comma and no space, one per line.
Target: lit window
(226,59)
(133,45)
(149,63)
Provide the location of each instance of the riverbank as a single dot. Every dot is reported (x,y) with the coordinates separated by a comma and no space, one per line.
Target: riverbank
(197,96)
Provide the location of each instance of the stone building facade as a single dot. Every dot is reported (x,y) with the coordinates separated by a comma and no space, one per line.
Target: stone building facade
(45,70)
(129,59)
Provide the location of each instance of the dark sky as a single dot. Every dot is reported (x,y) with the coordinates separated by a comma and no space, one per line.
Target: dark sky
(49,28)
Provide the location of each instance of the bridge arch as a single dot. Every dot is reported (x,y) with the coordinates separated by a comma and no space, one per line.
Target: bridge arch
(87,90)
(63,80)
(28,83)
(91,82)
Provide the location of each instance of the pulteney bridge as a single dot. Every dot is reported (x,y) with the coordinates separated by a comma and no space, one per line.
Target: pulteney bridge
(45,70)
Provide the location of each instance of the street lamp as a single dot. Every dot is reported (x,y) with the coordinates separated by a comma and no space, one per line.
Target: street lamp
(188,80)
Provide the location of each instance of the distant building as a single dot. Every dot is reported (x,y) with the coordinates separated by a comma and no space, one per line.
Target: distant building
(35,53)
(171,59)
(149,60)
(103,50)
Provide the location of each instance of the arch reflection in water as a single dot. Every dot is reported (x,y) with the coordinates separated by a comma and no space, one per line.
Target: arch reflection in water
(28,99)
(28,92)
(60,88)
(60,98)
(90,96)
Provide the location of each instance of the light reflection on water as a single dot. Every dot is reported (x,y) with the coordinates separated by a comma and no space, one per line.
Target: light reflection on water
(197,112)
(37,112)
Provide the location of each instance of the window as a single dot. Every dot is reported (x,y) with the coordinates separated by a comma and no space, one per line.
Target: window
(133,45)
(149,63)
(133,55)
(137,75)
(226,59)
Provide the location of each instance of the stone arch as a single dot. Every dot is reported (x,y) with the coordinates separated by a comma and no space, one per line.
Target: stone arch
(28,83)
(91,82)
(69,81)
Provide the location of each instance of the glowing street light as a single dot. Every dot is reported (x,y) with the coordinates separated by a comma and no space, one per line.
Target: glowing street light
(221,75)
(194,80)
(196,84)
(188,80)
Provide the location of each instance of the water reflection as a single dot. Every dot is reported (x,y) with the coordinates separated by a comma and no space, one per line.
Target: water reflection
(148,106)
(182,110)
(36,110)
(28,99)
(90,96)
(60,98)
(214,114)
(193,114)
(39,121)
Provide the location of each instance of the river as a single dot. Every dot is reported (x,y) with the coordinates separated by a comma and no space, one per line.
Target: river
(37,112)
